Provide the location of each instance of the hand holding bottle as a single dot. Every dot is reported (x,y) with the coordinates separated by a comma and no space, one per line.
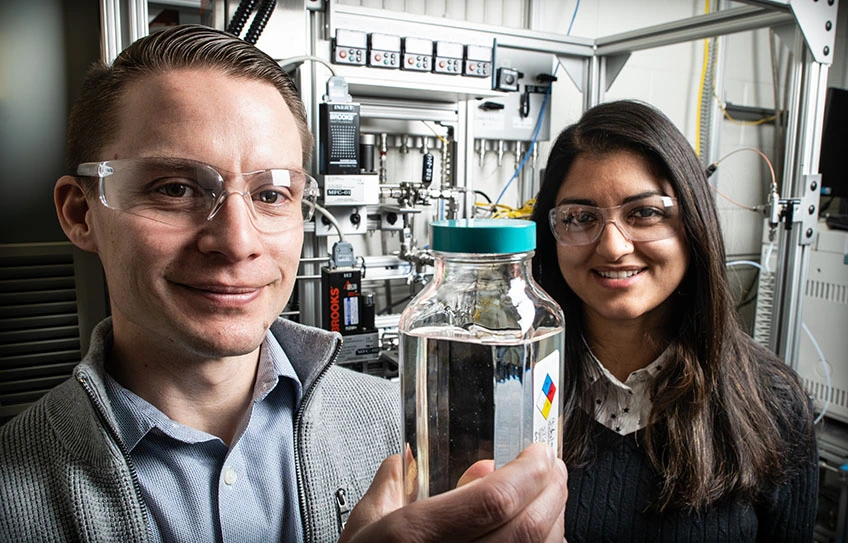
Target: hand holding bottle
(524,501)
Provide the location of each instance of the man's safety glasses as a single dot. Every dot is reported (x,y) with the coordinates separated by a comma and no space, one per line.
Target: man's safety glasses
(187,193)
(647,219)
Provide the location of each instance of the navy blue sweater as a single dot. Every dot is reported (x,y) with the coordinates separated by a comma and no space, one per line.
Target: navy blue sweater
(609,501)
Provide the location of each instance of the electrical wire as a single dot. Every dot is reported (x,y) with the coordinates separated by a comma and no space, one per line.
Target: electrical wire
(822,359)
(734,202)
(506,212)
(444,140)
(743,262)
(723,106)
(769,251)
(483,206)
(484,195)
(323,211)
(482,210)
(712,167)
(573,16)
(533,141)
(763,155)
(826,366)
(283,62)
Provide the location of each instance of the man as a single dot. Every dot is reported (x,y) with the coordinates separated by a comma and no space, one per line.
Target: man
(197,414)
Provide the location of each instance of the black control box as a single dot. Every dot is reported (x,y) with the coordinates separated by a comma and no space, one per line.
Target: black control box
(339,141)
(341,294)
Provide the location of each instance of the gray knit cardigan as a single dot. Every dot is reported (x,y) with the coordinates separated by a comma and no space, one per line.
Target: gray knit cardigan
(66,476)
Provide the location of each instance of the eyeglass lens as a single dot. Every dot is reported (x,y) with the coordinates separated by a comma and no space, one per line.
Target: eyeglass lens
(186,193)
(646,219)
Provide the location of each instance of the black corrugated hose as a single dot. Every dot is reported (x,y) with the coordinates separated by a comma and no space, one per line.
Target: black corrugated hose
(259,21)
(240,16)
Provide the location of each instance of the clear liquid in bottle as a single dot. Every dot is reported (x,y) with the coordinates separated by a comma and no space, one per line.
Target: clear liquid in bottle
(476,400)
(481,355)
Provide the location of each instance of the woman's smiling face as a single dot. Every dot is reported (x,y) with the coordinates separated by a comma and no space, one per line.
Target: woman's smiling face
(618,279)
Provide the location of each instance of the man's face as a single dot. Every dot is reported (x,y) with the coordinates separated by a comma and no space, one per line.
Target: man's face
(213,290)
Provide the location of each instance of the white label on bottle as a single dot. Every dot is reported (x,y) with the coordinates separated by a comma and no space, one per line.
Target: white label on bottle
(546,400)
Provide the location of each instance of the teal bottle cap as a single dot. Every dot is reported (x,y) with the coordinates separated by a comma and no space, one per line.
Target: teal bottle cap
(483,236)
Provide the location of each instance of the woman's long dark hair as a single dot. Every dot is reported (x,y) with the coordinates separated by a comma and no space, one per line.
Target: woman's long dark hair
(726,411)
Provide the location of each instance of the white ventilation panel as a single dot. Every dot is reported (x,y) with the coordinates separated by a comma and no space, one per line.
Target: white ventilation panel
(825,314)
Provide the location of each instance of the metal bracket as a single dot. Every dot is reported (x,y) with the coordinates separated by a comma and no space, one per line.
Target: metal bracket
(808,214)
(575,67)
(818,24)
(817,21)
(613,66)
(804,210)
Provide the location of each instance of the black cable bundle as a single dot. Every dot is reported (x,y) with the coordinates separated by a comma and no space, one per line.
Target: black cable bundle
(240,17)
(259,22)
(242,14)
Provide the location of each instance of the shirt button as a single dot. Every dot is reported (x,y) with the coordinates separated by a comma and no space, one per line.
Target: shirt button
(230,476)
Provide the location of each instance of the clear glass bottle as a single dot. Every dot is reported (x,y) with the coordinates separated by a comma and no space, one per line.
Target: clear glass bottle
(481,355)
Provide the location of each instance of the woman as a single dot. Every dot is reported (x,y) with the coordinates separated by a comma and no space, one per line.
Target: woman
(677,425)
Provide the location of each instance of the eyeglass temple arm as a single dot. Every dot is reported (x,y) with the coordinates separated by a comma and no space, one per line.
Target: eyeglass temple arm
(95,169)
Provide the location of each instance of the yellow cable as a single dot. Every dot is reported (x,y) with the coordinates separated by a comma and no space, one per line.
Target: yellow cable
(730,118)
(433,130)
(743,123)
(524,212)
